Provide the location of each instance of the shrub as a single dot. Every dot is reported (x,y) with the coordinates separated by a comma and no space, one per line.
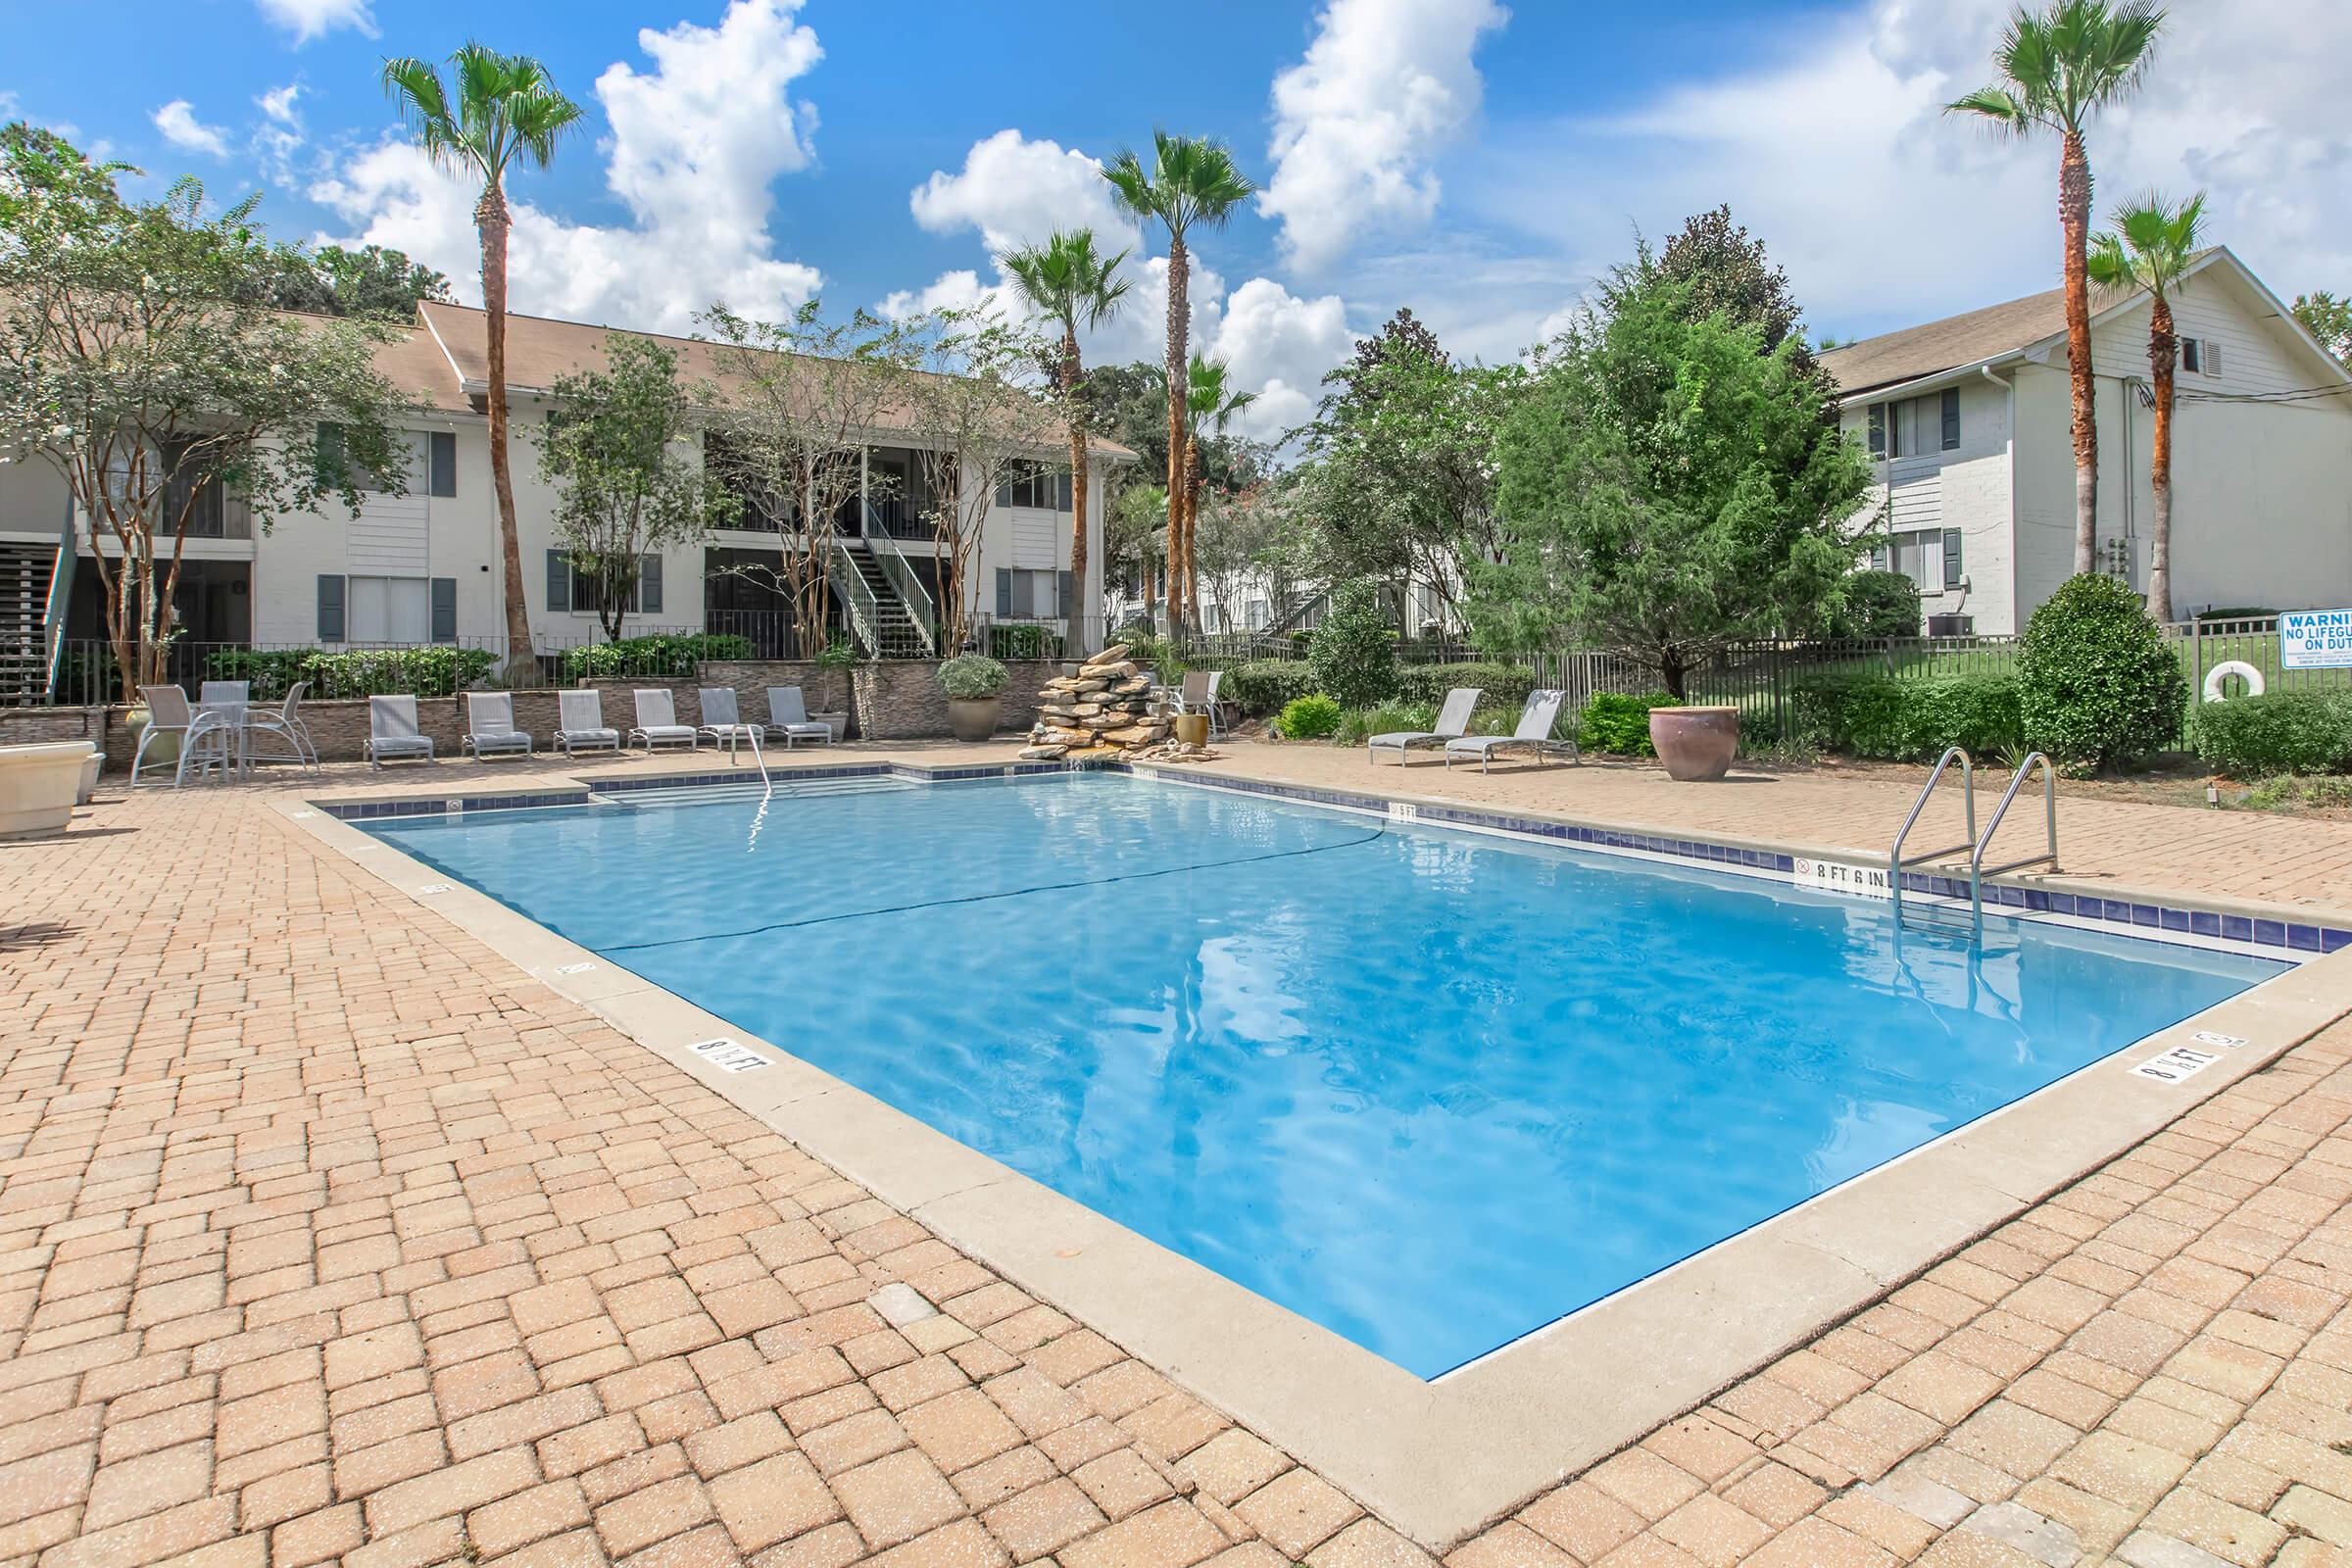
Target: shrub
(664,654)
(2279,732)
(1310,717)
(1906,720)
(1879,604)
(1023,642)
(1142,645)
(1359,724)
(1264,687)
(1354,653)
(972,677)
(1619,721)
(383,672)
(270,671)
(2098,684)
(1498,685)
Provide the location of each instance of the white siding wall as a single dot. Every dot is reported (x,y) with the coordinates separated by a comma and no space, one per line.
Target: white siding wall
(1966,488)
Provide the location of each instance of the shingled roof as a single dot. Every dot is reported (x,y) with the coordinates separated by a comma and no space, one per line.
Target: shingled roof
(1964,339)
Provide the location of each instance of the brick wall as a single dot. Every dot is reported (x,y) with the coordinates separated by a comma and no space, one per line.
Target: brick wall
(31,727)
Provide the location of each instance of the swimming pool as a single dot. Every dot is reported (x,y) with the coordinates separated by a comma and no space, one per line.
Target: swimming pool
(1428,1089)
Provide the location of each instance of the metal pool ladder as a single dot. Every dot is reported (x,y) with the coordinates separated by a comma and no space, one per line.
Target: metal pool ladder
(1897,859)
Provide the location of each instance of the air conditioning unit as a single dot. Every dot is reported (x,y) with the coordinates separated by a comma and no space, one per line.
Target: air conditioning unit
(1951,626)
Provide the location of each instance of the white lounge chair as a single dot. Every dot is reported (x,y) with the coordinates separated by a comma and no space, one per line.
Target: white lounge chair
(720,720)
(205,739)
(788,712)
(581,718)
(490,725)
(282,724)
(1535,721)
(658,720)
(1454,722)
(392,731)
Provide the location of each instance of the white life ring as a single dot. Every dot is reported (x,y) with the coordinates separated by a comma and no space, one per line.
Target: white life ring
(2227,669)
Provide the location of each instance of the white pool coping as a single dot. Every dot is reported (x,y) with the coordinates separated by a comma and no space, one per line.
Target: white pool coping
(1437,1460)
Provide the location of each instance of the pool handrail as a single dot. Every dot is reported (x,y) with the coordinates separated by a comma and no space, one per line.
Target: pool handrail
(1895,859)
(1976,868)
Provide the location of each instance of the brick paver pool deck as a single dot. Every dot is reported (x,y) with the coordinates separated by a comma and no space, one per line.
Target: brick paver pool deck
(327,1234)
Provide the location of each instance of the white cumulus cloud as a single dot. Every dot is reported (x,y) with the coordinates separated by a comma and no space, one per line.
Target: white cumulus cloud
(695,142)
(177,122)
(1017,192)
(1384,86)
(311,19)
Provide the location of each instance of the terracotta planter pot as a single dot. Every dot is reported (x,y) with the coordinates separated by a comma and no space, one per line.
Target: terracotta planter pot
(974,718)
(1193,728)
(1696,745)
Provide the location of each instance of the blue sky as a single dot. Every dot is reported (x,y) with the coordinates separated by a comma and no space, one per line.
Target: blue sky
(1477,162)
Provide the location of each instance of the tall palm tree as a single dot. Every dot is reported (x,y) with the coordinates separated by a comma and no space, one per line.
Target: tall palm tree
(505,107)
(1069,280)
(2057,69)
(1191,181)
(2151,248)
(1209,401)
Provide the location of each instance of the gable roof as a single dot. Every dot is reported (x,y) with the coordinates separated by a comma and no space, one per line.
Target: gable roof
(1969,338)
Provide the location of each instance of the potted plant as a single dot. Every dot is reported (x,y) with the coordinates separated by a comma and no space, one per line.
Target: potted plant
(975,688)
(1696,745)
(839,659)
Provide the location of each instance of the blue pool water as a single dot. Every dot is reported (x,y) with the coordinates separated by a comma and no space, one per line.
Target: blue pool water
(1430,1090)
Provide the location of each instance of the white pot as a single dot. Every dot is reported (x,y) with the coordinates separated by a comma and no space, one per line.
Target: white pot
(38,785)
(838,723)
(89,777)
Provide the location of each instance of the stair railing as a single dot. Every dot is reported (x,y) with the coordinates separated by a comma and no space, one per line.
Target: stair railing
(865,616)
(61,600)
(902,578)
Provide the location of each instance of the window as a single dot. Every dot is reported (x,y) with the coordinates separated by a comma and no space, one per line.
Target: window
(1929,556)
(1951,418)
(1030,594)
(1898,430)
(568,590)
(388,609)
(2192,354)
(442,461)
(1878,429)
(1035,484)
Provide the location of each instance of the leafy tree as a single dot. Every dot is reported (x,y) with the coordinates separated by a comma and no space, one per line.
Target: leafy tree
(1238,538)
(1212,403)
(1397,481)
(2058,68)
(2150,249)
(369,282)
(1726,270)
(795,405)
(1667,486)
(2097,683)
(1877,604)
(610,449)
(1128,403)
(505,108)
(1074,284)
(1352,654)
(1193,181)
(2329,318)
(137,360)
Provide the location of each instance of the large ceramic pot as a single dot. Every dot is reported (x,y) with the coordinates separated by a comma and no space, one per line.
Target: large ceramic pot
(38,784)
(1696,744)
(1193,728)
(974,718)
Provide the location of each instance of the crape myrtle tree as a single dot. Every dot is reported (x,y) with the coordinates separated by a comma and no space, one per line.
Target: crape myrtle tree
(138,361)
(615,450)
(1666,486)
(372,280)
(793,407)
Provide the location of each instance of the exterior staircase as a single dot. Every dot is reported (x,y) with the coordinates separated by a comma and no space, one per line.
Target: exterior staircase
(25,570)
(893,630)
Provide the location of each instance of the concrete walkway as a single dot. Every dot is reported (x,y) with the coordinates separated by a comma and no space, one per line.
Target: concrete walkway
(326,1234)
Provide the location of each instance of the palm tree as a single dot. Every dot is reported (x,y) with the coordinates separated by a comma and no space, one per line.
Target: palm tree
(1210,401)
(1069,280)
(506,107)
(1191,181)
(2150,249)
(2056,68)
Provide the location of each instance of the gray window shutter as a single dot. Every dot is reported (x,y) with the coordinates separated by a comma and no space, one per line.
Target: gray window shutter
(649,585)
(331,453)
(444,462)
(1003,593)
(1951,418)
(559,581)
(1951,558)
(330,608)
(445,609)
(1880,558)
(1878,429)
(1062,591)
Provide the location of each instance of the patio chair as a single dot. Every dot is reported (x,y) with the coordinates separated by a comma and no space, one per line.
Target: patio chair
(581,720)
(220,693)
(490,725)
(1199,695)
(1534,733)
(658,720)
(204,738)
(720,720)
(392,731)
(788,712)
(1454,722)
(284,724)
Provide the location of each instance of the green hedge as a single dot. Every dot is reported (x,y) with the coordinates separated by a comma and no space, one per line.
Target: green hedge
(1023,642)
(439,671)
(2281,732)
(1264,687)
(1906,720)
(1498,685)
(1310,717)
(2097,683)
(665,655)
(1619,722)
